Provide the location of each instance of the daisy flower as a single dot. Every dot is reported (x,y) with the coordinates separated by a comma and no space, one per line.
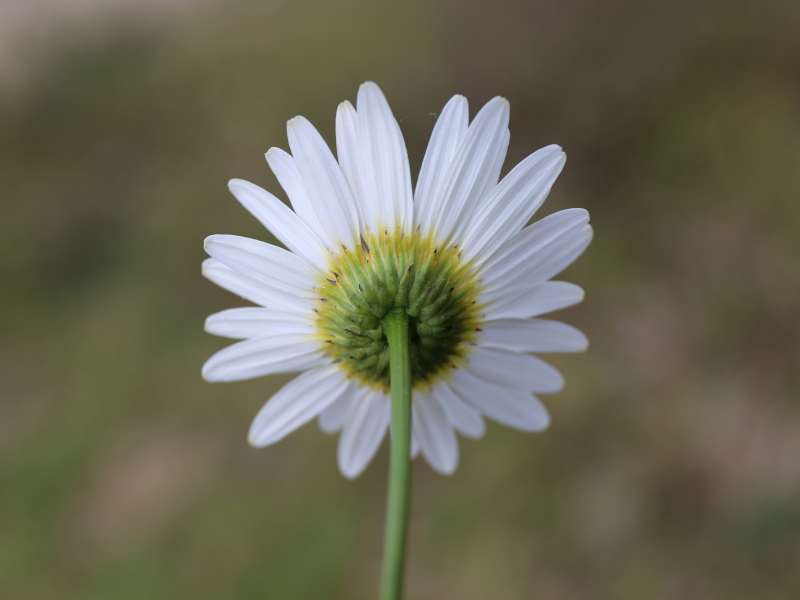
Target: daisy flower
(454,256)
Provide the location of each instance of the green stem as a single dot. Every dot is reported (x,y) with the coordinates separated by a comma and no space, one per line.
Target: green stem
(395,326)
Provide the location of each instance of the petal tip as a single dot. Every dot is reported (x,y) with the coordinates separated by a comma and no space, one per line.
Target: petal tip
(583,346)
(272,152)
(207,266)
(297,121)
(371,86)
(296,126)
(208,241)
(207,373)
(348,472)
(208,324)
(253,438)
(446,470)
(236,183)
(501,103)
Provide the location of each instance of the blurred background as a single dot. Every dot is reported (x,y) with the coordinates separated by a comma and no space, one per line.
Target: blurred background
(672,468)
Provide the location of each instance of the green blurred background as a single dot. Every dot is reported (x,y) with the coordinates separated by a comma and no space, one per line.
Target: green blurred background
(672,468)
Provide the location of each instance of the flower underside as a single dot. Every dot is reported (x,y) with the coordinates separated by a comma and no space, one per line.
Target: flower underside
(393,271)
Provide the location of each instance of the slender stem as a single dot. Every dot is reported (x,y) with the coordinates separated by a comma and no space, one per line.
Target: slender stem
(395,326)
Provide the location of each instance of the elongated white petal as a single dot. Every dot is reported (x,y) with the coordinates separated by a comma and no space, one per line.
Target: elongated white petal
(534,244)
(252,288)
(254,322)
(264,356)
(551,261)
(328,190)
(295,404)
(515,370)
(478,197)
(349,151)
(285,169)
(535,300)
(281,221)
(354,146)
(508,406)
(531,335)
(465,419)
(383,152)
(275,266)
(474,169)
(255,288)
(435,435)
(243,286)
(448,133)
(333,418)
(362,435)
(536,236)
(558,257)
(512,203)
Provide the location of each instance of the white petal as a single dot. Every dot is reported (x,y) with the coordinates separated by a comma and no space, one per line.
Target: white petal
(465,419)
(333,418)
(348,151)
(295,404)
(532,335)
(446,138)
(479,195)
(384,153)
(535,300)
(542,266)
(474,168)
(414,445)
(515,370)
(511,407)
(285,169)
(434,434)
(281,221)
(327,189)
(275,266)
(362,435)
(558,257)
(256,288)
(253,289)
(264,356)
(513,202)
(354,147)
(253,322)
(533,245)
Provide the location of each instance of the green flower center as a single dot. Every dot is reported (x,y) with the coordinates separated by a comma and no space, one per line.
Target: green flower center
(398,271)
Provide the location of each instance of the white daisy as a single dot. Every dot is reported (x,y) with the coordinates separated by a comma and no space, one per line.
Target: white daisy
(455,255)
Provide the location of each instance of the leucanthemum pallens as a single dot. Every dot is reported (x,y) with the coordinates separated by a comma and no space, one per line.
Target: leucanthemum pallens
(455,255)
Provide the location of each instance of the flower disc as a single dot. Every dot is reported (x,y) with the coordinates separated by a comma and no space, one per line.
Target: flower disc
(398,271)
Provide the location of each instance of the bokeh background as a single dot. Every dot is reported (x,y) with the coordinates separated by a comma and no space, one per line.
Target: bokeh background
(672,468)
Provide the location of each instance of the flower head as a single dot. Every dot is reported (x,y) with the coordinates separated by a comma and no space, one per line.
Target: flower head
(455,255)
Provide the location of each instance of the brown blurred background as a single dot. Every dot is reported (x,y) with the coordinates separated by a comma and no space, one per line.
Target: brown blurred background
(673,465)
